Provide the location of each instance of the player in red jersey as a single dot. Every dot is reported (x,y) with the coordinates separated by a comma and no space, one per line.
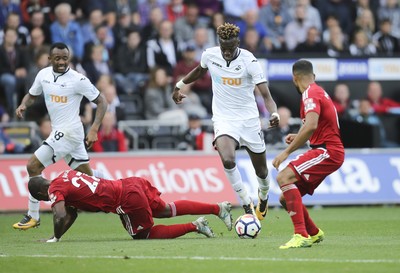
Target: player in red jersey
(304,174)
(134,199)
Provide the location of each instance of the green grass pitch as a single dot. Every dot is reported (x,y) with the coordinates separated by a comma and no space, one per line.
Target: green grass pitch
(358,239)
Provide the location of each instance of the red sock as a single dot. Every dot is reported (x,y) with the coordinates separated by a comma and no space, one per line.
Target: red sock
(294,206)
(310,226)
(170,232)
(184,207)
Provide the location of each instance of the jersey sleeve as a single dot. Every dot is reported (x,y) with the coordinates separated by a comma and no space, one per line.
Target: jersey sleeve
(255,71)
(312,104)
(86,88)
(204,59)
(36,88)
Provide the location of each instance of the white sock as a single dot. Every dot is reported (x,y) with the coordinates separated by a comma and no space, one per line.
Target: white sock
(33,208)
(100,174)
(263,185)
(235,179)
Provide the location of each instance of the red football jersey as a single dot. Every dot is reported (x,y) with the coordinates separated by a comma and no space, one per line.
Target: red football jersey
(86,192)
(315,99)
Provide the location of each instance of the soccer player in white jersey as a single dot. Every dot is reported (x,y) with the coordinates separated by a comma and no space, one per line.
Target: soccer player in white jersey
(63,90)
(235,73)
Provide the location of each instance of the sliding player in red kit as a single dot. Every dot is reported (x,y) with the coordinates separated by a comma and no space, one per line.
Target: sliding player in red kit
(134,199)
(304,174)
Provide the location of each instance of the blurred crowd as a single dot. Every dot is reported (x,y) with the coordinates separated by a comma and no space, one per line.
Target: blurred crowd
(134,51)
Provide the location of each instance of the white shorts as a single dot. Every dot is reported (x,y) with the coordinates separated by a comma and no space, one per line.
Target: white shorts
(66,144)
(247,133)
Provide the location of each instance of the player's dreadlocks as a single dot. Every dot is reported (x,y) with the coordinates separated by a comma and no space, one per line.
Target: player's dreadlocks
(228,31)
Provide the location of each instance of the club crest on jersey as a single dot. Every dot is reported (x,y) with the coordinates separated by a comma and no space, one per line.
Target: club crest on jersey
(309,105)
(238,68)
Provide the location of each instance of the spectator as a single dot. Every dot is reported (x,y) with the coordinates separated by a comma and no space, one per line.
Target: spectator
(366,22)
(7,7)
(110,138)
(361,45)
(391,10)
(201,87)
(275,16)
(253,43)
(117,7)
(235,10)
(29,7)
(251,20)
(67,30)
(4,117)
(296,30)
(331,22)
(42,133)
(92,33)
(312,44)
(185,26)
(366,115)
(157,97)
(380,104)
(341,9)
(121,29)
(13,69)
(201,42)
(151,29)
(312,14)
(37,19)
(96,65)
(37,45)
(147,15)
(337,45)
(193,137)
(163,51)
(130,64)
(386,43)
(175,9)
(114,104)
(341,100)
(276,136)
(14,22)
(216,20)
(207,8)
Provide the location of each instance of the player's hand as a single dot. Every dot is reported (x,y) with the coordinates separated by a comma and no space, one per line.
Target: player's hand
(20,111)
(91,138)
(289,138)
(279,159)
(177,96)
(274,120)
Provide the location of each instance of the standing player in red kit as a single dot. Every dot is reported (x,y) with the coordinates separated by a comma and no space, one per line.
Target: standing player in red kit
(304,174)
(134,199)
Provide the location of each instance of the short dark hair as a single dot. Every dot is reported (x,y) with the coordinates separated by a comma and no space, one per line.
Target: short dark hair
(59,46)
(303,67)
(228,31)
(35,185)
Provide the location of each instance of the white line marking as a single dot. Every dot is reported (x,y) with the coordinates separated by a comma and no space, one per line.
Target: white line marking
(359,261)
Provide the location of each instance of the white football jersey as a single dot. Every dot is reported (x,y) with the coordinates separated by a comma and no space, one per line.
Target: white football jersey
(63,94)
(233,84)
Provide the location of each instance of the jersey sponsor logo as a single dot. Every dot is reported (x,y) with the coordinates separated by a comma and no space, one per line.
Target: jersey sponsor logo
(228,81)
(58,99)
(309,105)
(216,64)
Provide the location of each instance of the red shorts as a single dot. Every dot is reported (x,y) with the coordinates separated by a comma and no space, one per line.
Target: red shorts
(139,202)
(313,166)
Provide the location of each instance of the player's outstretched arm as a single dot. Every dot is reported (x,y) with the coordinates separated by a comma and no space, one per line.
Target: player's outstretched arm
(63,218)
(192,76)
(101,110)
(27,101)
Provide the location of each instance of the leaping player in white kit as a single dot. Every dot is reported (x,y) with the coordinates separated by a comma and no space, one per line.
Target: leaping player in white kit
(235,73)
(63,90)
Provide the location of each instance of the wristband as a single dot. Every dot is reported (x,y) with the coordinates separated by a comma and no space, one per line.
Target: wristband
(275,114)
(180,84)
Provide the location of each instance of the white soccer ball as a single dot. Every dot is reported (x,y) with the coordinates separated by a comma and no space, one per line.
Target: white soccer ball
(247,226)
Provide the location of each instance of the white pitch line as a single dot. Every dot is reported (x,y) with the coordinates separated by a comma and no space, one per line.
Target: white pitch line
(305,260)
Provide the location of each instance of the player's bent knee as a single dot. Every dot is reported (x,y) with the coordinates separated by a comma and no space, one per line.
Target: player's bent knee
(34,166)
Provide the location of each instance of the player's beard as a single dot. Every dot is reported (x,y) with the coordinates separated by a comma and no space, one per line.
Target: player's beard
(297,89)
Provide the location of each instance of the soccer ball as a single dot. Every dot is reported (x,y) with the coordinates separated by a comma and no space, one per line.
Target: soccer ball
(247,226)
